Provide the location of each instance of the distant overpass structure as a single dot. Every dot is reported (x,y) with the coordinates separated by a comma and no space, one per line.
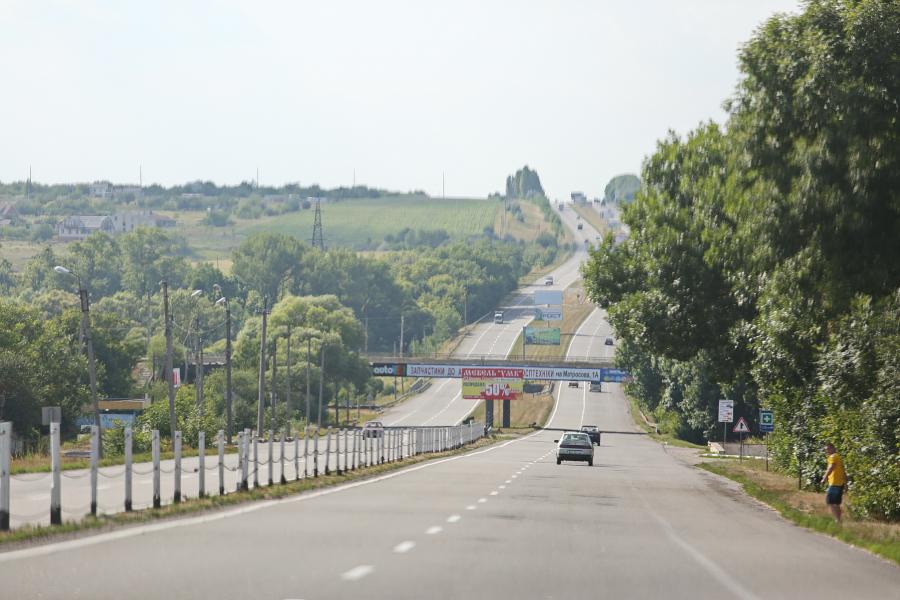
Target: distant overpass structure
(450,367)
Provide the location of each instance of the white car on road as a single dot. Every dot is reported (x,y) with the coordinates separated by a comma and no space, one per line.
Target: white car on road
(575,446)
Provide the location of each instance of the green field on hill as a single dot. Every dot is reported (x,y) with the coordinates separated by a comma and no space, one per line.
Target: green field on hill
(364,223)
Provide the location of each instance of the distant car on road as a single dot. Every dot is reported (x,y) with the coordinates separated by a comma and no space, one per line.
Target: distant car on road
(608,341)
(575,446)
(573,384)
(498,317)
(580,225)
(596,386)
(373,429)
(548,280)
(593,432)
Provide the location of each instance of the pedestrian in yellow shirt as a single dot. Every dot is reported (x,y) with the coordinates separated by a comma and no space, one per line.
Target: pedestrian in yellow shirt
(836,476)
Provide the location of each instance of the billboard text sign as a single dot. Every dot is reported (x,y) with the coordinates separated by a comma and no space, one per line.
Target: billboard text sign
(542,336)
(492,383)
(548,297)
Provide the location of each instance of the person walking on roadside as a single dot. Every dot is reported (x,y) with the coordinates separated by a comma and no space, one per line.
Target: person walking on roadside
(836,476)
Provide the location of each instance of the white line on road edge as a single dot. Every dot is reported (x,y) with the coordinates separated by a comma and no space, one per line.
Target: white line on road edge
(433,530)
(453,518)
(719,574)
(53,548)
(357,572)
(404,547)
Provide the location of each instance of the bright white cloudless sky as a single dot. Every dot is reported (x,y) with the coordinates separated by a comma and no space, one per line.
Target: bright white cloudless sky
(400,91)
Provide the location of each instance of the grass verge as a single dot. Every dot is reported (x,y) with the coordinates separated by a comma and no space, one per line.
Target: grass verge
(30,533)
(666,438)
(808,509)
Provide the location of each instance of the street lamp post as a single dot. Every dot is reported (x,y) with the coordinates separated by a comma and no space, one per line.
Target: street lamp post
(228,418)
(86,331)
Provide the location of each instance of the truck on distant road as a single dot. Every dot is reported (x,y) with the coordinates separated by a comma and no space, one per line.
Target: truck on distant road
(498,316)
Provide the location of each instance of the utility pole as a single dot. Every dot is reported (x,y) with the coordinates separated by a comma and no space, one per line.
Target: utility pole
(92,369)
(308,350)
(321,384)
(465,306)
(170,375)
(274,372)
(261,397)
(228,372)
(287,390)
(402,321)
(86,332)
(198,364)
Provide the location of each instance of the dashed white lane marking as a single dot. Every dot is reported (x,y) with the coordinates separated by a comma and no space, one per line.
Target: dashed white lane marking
(404,547)
(494,493)
(453,518)
(482,500)
(508,481)
(502,487)
(434,529)
(357,572)
(514,476)
(471,507)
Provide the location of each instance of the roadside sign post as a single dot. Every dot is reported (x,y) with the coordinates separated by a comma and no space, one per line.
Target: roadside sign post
(741,428)
(726,415)
(767,426)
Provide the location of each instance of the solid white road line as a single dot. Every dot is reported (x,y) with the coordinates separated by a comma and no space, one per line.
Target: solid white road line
(357,572)
(453,518)
(404,547)
(433,530)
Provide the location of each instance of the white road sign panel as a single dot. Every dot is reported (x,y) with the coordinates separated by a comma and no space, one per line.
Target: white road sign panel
(726,411)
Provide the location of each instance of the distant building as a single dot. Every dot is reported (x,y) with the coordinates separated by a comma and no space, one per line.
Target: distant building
(101,189)
(127,222)
(79,227)
(8,214)
(125,190)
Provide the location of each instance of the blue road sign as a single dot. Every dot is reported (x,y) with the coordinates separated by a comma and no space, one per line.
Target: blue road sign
(766,421)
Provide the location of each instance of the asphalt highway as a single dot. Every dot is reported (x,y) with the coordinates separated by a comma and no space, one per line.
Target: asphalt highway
(442,403)
(496,523)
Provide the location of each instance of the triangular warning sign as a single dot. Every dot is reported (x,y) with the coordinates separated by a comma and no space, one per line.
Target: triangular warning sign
(741,426)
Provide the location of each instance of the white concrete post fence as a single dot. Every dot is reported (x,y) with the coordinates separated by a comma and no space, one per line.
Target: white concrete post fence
(352,449)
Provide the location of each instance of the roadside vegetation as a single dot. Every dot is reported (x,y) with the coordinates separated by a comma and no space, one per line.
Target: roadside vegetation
(807,508)
(338,303)
(762,265)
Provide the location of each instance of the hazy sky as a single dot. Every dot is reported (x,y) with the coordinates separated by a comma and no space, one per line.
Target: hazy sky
(399,91)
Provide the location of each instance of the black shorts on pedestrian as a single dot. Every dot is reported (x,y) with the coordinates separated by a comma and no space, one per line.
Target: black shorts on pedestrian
(834,495)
